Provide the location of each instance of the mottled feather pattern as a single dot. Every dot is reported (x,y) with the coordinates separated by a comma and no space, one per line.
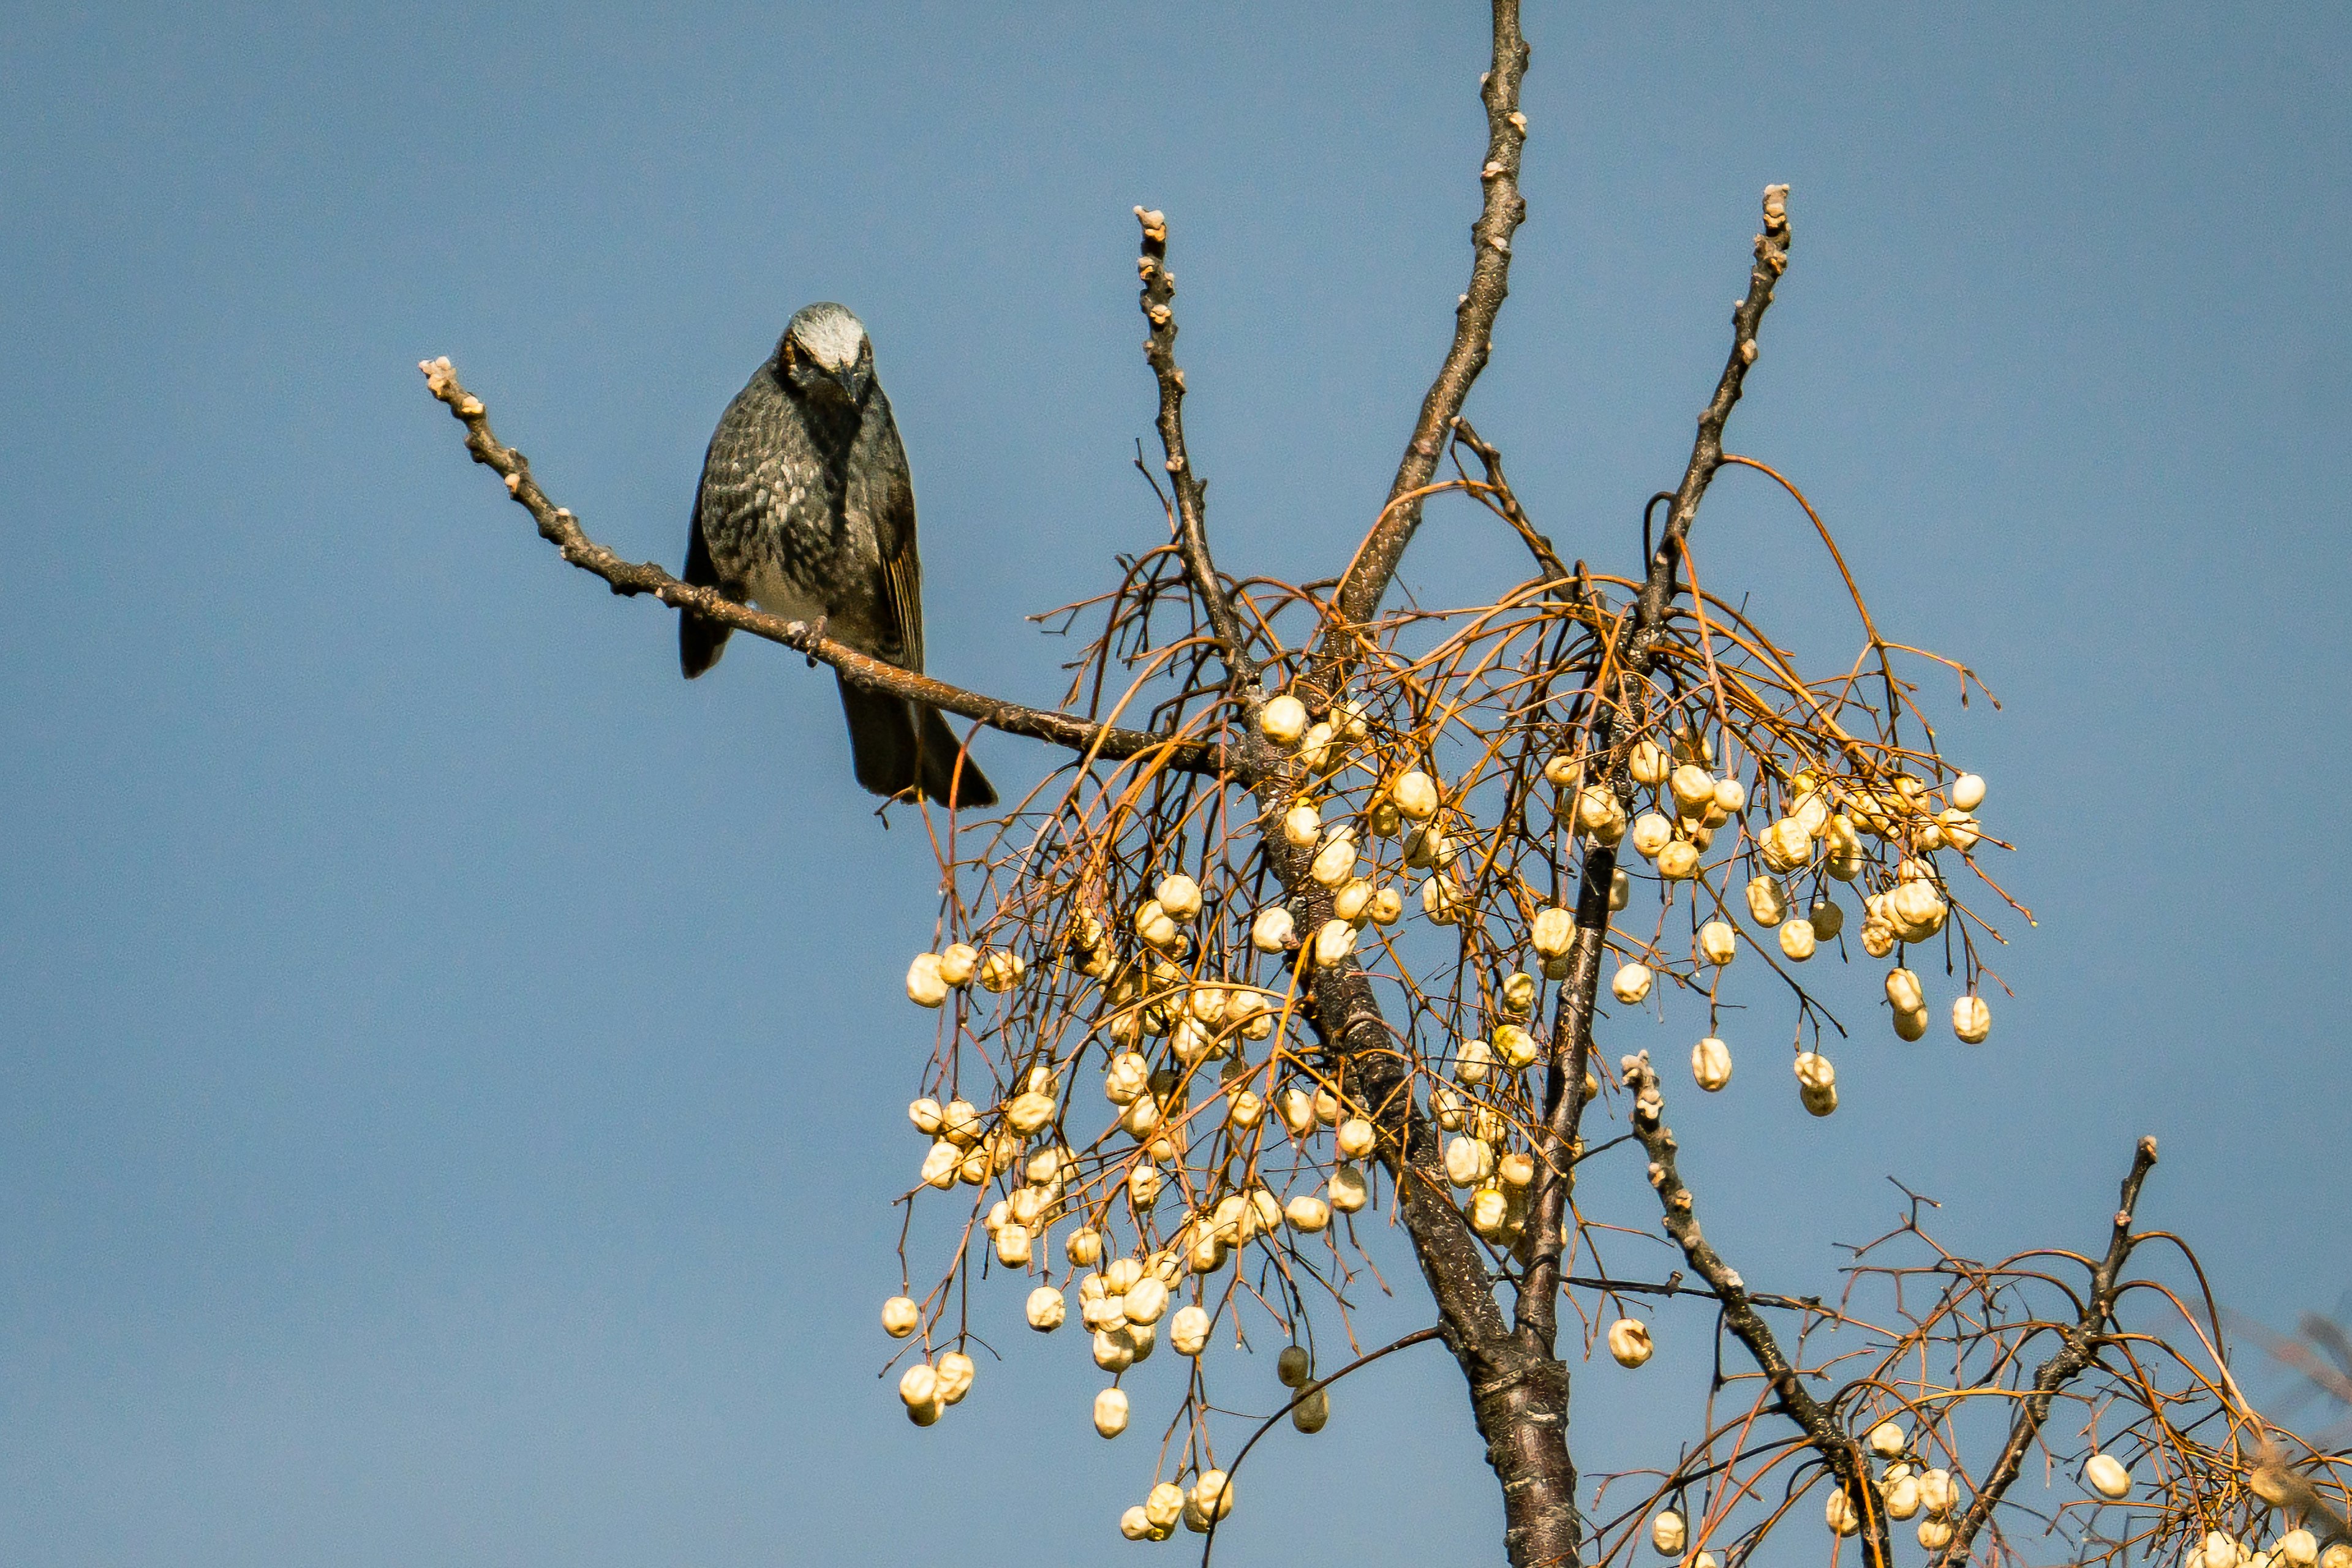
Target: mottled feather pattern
(775,510)
(806,509)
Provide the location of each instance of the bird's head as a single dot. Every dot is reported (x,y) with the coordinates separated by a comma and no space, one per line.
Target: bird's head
(826,355)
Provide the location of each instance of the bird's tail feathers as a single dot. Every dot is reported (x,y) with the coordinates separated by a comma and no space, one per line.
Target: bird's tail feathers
(896,746)
(699,643)
(943,778)
(881,739)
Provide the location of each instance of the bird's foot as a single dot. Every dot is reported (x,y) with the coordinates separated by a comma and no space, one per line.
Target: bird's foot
(816,635)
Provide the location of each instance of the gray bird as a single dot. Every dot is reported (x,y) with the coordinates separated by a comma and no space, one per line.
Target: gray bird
(806,509)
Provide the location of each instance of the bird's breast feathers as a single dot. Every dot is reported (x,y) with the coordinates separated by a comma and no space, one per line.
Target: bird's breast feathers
(786,514)
(780,592)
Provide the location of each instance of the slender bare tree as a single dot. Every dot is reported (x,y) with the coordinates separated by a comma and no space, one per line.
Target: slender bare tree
(1310,922)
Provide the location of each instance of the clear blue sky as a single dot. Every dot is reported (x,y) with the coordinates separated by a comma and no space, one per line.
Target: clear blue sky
(451,1072)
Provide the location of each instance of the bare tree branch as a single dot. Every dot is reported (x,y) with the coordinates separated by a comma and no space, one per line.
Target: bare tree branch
(1191,499)
(2079,1350)
(1822,1429)
(561,529)
(1376,562)
(1536,1310)
(1706,450)
(1518,1391)
(1675,1287)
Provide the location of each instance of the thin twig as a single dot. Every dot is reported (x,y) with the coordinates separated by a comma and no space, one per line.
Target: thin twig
(1309,1390)
(1675,1288)
(1507,502)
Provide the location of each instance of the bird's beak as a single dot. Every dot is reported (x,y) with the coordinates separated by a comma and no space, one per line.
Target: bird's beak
(848,380)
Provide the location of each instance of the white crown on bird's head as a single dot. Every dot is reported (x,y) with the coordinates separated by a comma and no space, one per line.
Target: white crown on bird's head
(828,334)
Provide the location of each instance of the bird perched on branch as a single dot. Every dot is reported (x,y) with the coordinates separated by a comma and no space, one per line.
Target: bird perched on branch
(806,509)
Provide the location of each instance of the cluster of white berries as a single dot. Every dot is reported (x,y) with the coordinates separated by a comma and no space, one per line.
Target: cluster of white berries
(1496,1179)
(1125,1303)
(1694,802)
(932,975)
(1407,804)
(965,1150)
(1911,909)
(1824,828)
(2298,1548)
(1826,824)
(1209,1497)
(927,1388)
(1356,901)
(1150,1000)
(1173,1033)
(1907,1490)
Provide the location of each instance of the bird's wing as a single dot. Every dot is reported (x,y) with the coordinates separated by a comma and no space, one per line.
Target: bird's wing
(739,473)
(700,642)
(902,566)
